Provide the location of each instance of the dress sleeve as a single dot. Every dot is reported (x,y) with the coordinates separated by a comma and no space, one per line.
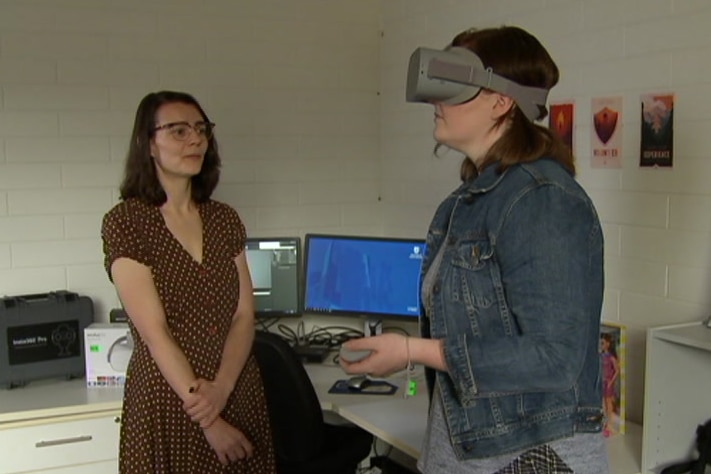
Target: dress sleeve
(121,238)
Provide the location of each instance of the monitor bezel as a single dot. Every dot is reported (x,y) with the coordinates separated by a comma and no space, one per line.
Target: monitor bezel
(278,314)
(369,315)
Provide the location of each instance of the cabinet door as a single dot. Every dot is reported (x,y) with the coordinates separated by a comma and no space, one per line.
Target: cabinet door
(65,443)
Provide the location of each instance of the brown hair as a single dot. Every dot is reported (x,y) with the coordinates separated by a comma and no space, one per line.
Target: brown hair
(140,179)
(517,55)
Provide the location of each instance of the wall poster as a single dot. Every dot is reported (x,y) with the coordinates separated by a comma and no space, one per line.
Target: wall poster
(657,137)
(612,353)
(561,120)
(606,134)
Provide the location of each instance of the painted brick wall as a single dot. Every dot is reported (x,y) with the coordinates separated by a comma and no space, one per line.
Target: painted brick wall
(292,87)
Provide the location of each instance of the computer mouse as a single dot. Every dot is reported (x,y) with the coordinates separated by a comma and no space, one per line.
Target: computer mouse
(358,382)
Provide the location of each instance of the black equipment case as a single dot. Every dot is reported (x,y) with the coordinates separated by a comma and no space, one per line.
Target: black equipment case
(42,336)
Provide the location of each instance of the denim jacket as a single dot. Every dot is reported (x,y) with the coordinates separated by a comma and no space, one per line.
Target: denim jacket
(517,300)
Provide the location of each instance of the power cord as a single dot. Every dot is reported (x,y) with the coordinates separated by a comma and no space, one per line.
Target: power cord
(327,336)
(395,329)
(289,334)
(330,336)
(265,323)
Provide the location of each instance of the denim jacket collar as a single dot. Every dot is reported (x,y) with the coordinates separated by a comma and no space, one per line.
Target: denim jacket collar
(487,180)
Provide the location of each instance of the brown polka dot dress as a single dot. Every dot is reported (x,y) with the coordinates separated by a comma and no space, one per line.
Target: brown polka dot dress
(199,300)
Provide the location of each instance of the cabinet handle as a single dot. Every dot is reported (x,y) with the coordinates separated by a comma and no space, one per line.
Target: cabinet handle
(117,419)
(55,442)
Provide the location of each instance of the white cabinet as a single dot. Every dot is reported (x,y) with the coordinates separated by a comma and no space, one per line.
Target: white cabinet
(677,392)
(59,427)
(108,467)
(48,443)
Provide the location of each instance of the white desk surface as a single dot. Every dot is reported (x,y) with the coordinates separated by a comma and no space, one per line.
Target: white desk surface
(399,421)
(394,419)
(53,398)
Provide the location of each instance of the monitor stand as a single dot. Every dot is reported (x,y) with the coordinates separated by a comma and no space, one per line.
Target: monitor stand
(372,327)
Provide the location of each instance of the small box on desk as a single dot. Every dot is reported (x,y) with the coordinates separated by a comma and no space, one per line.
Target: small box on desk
(108,349)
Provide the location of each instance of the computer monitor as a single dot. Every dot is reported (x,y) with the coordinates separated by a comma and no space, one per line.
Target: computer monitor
(373,277)
(275,266)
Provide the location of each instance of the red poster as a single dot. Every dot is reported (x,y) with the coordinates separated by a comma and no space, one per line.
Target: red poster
(561,121)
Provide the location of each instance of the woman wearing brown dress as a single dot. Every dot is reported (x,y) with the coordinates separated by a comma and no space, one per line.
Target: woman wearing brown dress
(194,401)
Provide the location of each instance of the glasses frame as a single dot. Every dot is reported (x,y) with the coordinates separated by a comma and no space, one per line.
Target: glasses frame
(208,135)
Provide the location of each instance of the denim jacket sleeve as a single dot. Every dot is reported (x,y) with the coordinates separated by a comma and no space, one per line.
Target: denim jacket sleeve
(547,256)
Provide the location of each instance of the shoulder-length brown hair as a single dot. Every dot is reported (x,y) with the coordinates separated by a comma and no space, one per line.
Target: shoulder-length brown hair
(517,55)
(140,179)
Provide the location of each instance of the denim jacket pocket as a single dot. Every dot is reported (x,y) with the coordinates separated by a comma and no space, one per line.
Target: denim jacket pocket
(471,286)
(472,255)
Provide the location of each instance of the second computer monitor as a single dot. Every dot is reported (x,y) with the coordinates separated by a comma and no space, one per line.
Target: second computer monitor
(375,277)
(275,266)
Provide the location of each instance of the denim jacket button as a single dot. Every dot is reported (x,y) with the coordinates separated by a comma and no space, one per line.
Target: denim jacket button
(435,288)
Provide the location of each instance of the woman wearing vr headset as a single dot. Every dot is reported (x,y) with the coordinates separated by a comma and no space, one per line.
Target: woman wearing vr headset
(512,280)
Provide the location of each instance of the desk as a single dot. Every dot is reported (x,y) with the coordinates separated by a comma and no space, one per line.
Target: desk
(398,421)
(394,419)
(401,422)
(49,398)
(59,426)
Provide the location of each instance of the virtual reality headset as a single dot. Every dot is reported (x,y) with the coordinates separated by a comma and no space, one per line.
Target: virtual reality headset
(456,75)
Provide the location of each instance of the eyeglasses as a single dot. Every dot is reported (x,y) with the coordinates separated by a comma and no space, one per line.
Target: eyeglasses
(181,130)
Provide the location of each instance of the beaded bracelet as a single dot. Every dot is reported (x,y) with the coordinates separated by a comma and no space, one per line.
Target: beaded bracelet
(410,384)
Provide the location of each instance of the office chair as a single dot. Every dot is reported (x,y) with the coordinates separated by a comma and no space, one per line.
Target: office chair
(304,443)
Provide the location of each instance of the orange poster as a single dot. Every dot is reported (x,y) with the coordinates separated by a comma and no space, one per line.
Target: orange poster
(561,121)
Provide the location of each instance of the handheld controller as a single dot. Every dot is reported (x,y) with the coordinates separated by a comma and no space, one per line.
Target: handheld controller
(353,356)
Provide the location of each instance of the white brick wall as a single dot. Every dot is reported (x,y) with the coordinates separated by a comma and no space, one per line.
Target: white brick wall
(291,85)
(657,222)
(28,124)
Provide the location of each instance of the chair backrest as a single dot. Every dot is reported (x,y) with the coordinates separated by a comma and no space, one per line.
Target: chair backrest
(294,408)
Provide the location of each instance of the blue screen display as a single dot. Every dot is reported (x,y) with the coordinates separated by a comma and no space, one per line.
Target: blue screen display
(363,275)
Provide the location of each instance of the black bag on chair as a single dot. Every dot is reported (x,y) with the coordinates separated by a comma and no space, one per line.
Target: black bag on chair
(703,445)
